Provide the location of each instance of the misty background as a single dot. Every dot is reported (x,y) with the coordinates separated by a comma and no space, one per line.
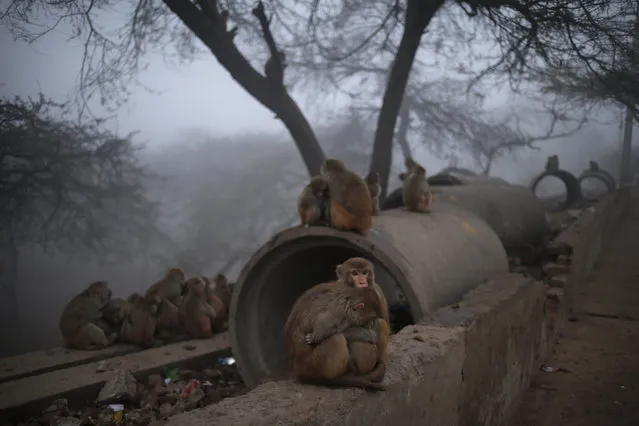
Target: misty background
(224,172)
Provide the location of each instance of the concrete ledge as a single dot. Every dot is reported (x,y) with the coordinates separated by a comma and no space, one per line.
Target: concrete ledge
(27,396)
(39,362)
(437,372)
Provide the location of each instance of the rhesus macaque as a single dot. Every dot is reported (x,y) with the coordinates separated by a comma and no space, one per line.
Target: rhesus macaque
(415,189)
(170,287)
(359,272)
(139,327)
(374,187)
(274,73)
(312,204)
(552,163)
(351,207)
(594,166)
(81,322)
(197,314)
(218,295)
(318,328)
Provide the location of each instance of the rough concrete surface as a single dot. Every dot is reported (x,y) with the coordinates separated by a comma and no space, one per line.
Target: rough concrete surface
(599,345)
(39,362)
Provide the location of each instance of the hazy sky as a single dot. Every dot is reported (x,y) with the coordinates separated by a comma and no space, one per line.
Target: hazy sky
(201,94)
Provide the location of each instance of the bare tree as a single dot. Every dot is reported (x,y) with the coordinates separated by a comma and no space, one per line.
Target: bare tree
(529,34)
(64,185)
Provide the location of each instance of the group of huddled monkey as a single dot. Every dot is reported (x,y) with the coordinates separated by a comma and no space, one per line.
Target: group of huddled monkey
(172,309)
(342,199)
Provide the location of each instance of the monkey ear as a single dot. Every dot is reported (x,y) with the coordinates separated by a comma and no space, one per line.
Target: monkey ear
(339,270)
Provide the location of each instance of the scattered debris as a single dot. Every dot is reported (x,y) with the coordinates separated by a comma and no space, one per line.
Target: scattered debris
(125,402)
(549,369)
(102,366)
(121,387)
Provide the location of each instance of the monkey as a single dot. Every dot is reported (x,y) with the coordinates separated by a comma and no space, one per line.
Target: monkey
(415,190)
(197,315)
(219,297)
(139,326)
(274,71)
(312,204)
(350,207)
(170,287)
(113,315)
(552,163)
(594,167)
(81,322)
(317,329)
(359,272)
(374,187)
(169,322)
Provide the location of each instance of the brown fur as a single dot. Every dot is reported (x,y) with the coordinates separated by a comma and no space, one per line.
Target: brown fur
(219,297)
(365,356)
(351,207)
(170,287)
(197,314)
(81,322)
(552,163)
(312,204)
(415,190)
(374,188)
(315,334)
(113,315)
(594,166)
(139,327)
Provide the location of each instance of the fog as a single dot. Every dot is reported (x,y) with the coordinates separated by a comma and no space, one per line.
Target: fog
(227,172)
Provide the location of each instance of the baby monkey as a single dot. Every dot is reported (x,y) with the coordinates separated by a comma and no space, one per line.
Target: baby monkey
(313,202)
(415,189)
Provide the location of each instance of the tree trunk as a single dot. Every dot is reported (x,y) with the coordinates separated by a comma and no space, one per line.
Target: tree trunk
(212,31)
(404,126)
(8,282)
(418,15)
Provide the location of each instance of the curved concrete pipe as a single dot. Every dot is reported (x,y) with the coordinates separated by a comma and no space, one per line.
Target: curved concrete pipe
(513,211)
(422,261)
(573,189)
(602,176)
(457,170)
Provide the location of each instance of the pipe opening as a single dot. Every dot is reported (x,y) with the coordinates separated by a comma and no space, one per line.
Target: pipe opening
(550,190)
(273,284)
(595,184)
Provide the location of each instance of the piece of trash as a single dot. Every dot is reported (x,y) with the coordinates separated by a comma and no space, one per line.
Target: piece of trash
(167,381)
(102,367)
(171,373)
(591,209)
(549,369)
(206,384)
(194,384)
(118,411)
(226,361)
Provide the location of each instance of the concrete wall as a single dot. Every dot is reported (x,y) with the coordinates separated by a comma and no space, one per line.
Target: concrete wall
(467,365)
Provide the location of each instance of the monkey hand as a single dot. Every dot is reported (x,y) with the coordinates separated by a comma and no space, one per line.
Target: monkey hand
(308,339)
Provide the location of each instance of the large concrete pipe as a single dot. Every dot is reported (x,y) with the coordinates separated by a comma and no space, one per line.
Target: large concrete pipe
(458,170)
(444,178)
(573,189)
(601,176)
(422,261)
(513,211)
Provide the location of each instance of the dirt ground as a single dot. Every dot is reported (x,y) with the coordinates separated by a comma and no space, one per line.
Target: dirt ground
(599,348)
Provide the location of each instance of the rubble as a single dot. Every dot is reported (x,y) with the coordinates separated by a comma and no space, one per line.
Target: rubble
(149,401)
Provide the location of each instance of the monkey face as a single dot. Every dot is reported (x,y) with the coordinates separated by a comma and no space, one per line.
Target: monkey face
(101,290)
(356,272)
(176,274)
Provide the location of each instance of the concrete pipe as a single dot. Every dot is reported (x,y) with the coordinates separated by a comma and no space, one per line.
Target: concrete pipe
(602,176)
(422,262)
(573,189)
(513,211)
(458,170)
(449,178)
